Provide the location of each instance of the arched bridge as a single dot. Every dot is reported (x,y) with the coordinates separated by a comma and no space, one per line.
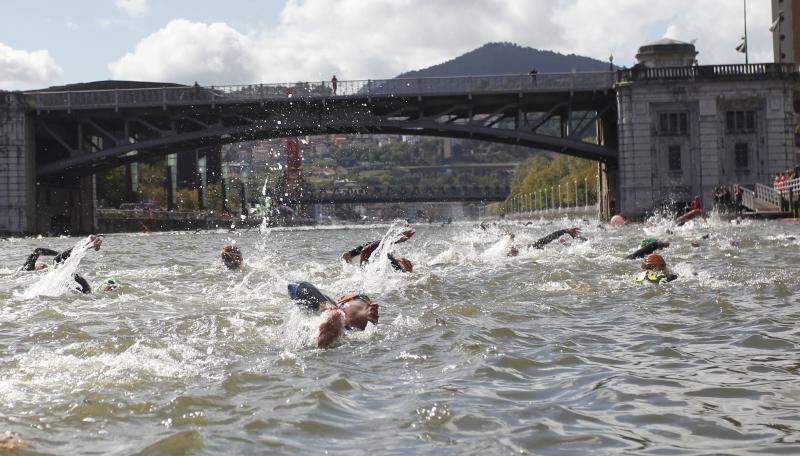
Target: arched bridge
(403,194)
(79,133)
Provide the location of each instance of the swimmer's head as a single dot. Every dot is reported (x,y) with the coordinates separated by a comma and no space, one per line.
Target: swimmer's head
(654,262)
(359,310)
(231,256)
(404,263)
(39,266)
(109,284)
(647,241)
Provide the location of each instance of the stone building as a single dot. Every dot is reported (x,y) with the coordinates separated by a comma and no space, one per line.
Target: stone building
(686,129)
(785,33)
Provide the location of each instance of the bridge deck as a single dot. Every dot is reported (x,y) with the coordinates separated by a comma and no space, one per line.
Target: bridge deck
(255,93)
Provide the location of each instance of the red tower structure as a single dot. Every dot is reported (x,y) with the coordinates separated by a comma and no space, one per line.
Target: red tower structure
(293,181)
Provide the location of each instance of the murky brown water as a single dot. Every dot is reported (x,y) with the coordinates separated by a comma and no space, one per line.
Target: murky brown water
(553,352)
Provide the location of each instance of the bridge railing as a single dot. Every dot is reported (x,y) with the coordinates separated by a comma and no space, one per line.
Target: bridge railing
(753,71)
(377,194)
(544,82)
(768,195)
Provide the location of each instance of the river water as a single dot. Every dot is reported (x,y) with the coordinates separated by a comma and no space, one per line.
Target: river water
(556,351)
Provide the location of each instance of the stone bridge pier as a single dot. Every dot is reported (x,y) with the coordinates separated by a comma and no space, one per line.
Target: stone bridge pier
(28,205)
(17,166)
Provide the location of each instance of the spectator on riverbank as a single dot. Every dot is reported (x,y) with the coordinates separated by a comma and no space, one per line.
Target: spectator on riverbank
(738,198)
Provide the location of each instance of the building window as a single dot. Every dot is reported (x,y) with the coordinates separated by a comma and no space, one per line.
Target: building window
(740,121)
(674,159)
(673,123)
(741,152)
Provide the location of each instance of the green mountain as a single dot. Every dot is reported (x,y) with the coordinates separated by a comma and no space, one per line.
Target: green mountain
(508,58)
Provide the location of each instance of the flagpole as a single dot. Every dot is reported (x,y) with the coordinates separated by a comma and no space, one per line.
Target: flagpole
(746,44)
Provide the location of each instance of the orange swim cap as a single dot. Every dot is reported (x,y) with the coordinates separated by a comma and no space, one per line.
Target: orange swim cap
(654,261)
(617,220)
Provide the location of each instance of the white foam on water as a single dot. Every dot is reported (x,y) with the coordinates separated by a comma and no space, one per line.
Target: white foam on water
(58,279)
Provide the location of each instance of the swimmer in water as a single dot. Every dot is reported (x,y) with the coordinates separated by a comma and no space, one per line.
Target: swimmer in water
(109,284)
(31,263)
(574,232)
(646,247)
(654,270)
(400,263)
(350,312)
(365,252)
(231,256)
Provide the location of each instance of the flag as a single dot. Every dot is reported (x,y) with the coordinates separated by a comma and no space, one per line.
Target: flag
(742,47)
(775,24)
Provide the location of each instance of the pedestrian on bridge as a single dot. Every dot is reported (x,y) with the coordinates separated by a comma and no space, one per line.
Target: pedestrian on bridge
(334,83)
(533,74)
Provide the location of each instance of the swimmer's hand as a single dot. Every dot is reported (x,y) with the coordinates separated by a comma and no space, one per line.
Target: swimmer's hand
(405,235)
(331,327)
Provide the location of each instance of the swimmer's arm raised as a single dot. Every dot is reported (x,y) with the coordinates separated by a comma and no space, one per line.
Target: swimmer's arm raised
(647,250)
(552,237)
(30,263)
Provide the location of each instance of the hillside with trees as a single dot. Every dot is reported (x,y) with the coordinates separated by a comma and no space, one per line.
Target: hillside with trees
(508,58)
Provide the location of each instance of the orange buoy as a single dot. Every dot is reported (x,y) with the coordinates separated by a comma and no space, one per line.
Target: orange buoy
(617,220)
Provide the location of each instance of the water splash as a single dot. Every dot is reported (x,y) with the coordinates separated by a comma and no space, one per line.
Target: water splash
(59,279)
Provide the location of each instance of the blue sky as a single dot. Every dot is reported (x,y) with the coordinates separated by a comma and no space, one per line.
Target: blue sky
(243,41)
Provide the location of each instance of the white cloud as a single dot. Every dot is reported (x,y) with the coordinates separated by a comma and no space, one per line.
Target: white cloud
(71,26)
(104,23)
(357,39)
(185,51)
(133,7)
(596,28)
(26,68)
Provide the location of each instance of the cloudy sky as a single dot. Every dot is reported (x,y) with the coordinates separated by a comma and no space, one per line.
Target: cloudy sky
(48,42)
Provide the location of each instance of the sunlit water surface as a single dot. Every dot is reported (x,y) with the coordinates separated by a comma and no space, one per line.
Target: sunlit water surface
(556,351)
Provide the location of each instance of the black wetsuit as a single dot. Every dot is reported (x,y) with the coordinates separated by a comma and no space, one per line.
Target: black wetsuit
(647,250)
(549,238)
(364,250)
(307,295)
(30,265)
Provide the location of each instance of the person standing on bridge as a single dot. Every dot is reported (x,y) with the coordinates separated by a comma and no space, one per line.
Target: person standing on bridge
(533,74)
(334,83)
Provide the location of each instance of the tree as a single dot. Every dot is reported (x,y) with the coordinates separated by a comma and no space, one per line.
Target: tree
(540,174)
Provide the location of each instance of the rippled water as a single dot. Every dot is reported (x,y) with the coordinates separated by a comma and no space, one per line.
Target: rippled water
(554,351)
